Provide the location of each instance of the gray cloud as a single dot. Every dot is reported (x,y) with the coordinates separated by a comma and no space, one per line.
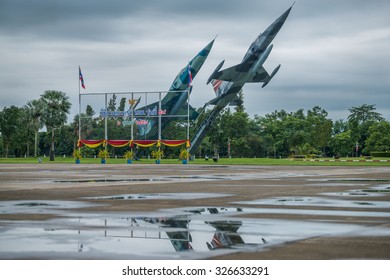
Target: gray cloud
(333,53)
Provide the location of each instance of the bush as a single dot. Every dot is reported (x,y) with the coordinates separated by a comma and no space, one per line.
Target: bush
(380,154)
(103,154)
(299,156)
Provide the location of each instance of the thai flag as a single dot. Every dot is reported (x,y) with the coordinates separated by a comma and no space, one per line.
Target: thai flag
(189,75)
(81,78)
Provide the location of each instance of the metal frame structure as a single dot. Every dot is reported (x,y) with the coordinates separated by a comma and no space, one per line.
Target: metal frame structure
(146,93)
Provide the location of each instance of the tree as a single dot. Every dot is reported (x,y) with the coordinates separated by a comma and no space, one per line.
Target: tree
(122,104)
(363,114)
(89,111)
(340,126)
(343,143)
(9,127)
(112,103)
(360,119)
(56,108)
(379,137)
(34,110)
(240,102)
(320,128)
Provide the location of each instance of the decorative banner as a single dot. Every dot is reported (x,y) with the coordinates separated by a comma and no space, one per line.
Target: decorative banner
(140,143)
(175,143)
(145,143)
(118,143)
(90,143)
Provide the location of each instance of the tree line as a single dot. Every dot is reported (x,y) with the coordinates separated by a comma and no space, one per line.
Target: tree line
(278,134)
(299,134)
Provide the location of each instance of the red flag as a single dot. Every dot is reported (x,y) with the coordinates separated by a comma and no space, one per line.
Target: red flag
(81,78)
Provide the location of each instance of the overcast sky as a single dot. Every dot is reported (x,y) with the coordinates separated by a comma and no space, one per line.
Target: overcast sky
(334,54)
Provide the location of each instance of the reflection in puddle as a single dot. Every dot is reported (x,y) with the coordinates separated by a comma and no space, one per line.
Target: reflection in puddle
(227,236)
(110,180)
(40,206)
(203,178)
(190,235)
(185,233)
(372,191)
(181,233)
(160,196)
(317,202)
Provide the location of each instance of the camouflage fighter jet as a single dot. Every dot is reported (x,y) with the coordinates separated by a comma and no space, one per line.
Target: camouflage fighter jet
(175,101)
(228,83)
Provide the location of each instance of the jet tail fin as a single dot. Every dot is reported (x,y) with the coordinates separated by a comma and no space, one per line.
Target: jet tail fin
(271,76)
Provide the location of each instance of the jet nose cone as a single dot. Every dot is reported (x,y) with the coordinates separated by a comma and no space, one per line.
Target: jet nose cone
(197,62)
(206,50)
(284,16)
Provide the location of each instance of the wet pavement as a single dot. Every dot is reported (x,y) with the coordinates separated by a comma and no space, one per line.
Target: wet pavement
(187,233)
(187,212)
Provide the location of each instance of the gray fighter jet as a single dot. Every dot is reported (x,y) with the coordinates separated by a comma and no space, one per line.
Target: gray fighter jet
(228,83)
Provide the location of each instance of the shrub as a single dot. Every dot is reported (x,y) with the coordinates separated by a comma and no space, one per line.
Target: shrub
(380,154)
(103,154)
(128,155)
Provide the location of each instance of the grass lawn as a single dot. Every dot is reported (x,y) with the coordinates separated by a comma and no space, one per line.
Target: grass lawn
(221,161)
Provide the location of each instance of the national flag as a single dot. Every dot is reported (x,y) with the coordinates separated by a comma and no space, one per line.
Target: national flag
(81,78)
(189,75)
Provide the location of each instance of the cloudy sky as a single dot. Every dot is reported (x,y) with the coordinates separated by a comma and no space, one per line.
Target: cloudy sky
(334,54)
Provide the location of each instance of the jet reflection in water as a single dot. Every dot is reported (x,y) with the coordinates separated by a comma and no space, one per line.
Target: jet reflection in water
(177,230)
(180,237)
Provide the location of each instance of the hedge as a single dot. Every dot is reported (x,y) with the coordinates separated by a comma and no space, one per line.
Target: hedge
(380,154)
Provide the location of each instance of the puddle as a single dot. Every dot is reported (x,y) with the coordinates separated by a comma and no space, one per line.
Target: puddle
(372,191)
(355,180)
(185,233)
(220,177)
(160,196)
(317,202)
(165,179)
(180,233)
(110,180)
(40,206)
(164,236)
(376,191)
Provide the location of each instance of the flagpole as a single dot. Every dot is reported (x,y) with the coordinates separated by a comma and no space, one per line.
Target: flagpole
(188,106)
(79,105)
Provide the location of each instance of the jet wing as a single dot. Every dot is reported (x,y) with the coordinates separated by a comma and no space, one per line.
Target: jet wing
(229,74)
(261,75)
(235,73)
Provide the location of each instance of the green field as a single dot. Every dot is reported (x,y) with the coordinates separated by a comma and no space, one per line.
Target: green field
(221,161)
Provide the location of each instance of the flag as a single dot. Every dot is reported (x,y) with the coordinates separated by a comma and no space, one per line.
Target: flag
(189,76)
(81,78)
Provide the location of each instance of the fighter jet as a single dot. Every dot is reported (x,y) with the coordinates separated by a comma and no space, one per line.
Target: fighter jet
(228,83)
(174,102)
